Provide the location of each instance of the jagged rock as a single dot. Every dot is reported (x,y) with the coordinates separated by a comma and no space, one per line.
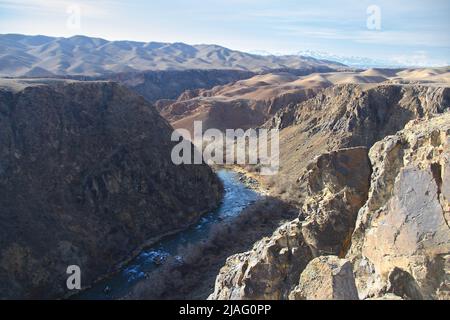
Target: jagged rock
(345,116)
(369,113)
(402,237)
(403,224)
(272,268)
(86,178)
(269,271)
(337,187)
(326,278)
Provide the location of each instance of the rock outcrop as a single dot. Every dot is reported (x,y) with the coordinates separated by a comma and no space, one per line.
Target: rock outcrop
(346,116)
(368,113)
(272,268)
(337,186)
(269,271)
(401,244)
(387,215)
(86,177)
(326,278)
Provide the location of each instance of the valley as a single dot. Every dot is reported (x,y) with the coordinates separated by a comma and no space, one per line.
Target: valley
(236,199)
(358,208)
(255,100)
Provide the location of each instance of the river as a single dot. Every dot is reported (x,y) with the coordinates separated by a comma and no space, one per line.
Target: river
(236,198)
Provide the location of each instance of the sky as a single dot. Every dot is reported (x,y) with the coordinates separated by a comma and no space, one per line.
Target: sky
(414,32)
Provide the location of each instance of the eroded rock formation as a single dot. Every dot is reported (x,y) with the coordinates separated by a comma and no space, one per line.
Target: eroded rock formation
(400,247)
(401,243)
(346,116)
(337,185)
(268,271)
(86,177)
(272,268)
(326,278)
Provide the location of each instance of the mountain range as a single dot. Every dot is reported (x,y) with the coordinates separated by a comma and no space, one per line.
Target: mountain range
(43,56)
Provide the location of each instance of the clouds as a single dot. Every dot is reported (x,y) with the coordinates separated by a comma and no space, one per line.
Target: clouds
(418,58)
(375,37)
(407,27)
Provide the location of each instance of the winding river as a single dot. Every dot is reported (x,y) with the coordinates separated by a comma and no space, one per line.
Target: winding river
(236,198)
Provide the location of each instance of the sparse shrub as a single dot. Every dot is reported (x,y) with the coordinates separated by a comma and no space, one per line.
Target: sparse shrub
(195,277)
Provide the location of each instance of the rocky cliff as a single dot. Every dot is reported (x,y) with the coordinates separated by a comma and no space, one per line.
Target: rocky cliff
(170,84)
(272,268)
(85,178)
(237,105)
(381,209)
(353,97)
(350,115)
(401,244)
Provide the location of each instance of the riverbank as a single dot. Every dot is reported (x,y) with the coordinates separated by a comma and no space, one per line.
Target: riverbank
(119,267)
(194,279)
(161,251)
(251,180)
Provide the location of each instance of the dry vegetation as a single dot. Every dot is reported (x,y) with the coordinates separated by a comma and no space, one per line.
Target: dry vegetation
(194,278)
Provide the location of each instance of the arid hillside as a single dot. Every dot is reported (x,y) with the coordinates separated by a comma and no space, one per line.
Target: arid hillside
(368,169)
(251,102)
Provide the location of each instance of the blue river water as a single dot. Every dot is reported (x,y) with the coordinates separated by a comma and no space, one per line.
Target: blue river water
(236,198)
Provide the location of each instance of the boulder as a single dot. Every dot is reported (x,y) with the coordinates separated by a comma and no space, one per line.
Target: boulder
(337,187)
(269,271)
(326,278)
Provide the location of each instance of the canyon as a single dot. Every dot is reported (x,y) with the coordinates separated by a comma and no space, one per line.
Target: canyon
(374,204)
(249,103)
(86,179)
(359,209)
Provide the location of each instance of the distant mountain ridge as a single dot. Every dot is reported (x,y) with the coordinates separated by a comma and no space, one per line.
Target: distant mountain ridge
(414,61)
(36,56)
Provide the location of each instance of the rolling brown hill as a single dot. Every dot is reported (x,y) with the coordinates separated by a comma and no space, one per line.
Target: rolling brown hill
(251,102)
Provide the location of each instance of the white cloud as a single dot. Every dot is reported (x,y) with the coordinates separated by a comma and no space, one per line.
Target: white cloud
(418,59)
(405,38)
